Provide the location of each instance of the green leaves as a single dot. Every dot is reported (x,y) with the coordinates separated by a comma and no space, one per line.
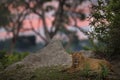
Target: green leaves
(108,33)
(6,60)
(114,6)
(104,71)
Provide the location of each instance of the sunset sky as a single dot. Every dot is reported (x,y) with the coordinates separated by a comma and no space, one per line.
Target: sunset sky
(34,21)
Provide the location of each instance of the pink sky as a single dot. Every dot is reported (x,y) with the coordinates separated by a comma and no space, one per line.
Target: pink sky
(85,7)
(36,22)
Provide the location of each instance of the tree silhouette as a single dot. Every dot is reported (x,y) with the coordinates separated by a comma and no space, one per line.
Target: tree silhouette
(14,12)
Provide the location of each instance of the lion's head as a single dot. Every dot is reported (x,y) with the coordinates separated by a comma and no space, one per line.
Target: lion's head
(77,59)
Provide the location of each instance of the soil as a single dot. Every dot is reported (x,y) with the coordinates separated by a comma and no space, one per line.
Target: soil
(116,69)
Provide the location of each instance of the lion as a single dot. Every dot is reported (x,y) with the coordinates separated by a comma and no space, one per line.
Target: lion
(79,61)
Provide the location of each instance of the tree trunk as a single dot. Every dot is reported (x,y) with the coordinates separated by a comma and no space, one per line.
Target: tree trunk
(13,43)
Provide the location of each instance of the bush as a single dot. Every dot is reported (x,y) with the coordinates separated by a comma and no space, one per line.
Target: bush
(107,30)
(6,60)
(104,71)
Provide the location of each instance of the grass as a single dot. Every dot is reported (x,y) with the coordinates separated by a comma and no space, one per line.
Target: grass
(45,73)
(55,73)
(49,73)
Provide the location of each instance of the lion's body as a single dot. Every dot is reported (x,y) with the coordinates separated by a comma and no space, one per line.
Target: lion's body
(79,62)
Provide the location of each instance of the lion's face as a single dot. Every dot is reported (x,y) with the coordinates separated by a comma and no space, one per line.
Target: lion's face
(77,58)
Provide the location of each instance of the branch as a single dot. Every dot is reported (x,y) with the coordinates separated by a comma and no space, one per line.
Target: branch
(58,19)
(37,32)
(75,25)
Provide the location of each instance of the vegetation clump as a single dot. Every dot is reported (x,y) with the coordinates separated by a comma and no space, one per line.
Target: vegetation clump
(6,60)
(106,30)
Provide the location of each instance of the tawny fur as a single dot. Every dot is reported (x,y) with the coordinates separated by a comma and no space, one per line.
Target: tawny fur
(79,62)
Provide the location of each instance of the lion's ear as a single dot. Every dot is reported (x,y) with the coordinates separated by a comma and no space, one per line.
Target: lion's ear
(73,54)
(82,57)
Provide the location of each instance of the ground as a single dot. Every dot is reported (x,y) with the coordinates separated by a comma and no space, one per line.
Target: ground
(116,69)
(51,73)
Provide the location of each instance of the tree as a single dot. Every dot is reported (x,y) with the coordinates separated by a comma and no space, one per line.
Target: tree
(107,28)
(18,10)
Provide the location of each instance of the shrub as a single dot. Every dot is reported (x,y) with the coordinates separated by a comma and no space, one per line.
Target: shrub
(107,28)
(103,75)
(6,60)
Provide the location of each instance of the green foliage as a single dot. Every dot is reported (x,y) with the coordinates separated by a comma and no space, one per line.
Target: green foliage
(104,71)
(6,60)
(103,74)
(86,71)
(107,32)
(95,47)
(68,51)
